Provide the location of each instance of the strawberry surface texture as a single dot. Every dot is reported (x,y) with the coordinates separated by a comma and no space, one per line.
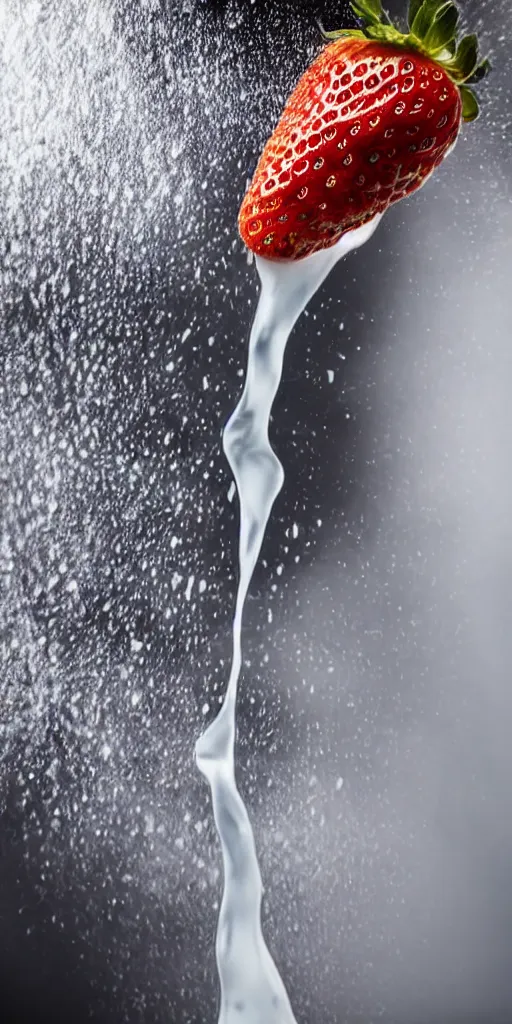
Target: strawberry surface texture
(369,121)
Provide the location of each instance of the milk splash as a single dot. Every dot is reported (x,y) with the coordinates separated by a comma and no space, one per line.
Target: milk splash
(252,991)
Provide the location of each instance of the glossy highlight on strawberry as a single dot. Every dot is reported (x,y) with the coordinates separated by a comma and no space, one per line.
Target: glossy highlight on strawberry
(367,124)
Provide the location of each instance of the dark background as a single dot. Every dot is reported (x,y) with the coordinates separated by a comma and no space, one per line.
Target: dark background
(377,636)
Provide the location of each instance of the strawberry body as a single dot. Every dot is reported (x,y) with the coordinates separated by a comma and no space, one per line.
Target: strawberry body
(368,122)
(366,125)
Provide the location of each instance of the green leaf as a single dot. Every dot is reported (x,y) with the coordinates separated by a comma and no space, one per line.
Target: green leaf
(480,72)
(369,10)
(338,33)
(426,16)
(470,108)
(443,29)
(464,63)
(466,56)
(373,5)
(414,7)
(386,33)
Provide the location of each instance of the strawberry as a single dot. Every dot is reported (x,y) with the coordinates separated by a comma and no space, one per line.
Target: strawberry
(367,124)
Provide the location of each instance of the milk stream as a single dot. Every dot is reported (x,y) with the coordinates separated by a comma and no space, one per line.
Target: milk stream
(252,991)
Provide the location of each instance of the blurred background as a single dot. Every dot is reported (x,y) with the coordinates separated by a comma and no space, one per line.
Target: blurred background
(374,741)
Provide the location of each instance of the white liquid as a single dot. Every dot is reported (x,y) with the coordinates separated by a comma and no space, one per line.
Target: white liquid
(251,989)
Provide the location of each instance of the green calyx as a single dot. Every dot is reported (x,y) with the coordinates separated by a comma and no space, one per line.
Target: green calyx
(432,30)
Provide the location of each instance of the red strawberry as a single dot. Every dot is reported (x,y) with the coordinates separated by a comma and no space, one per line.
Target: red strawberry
(368,122)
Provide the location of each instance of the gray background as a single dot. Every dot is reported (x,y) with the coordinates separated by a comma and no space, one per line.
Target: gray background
(378,639)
